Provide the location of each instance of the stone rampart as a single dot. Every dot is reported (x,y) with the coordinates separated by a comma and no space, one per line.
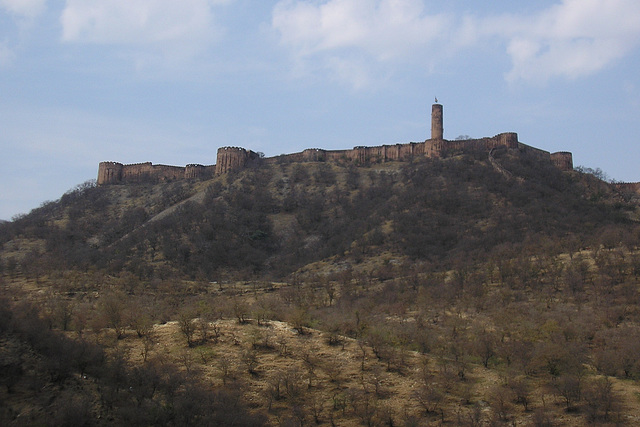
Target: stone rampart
(314,155)
(533,151)
(235,158)
(398,152)
(628,186)
(117,173)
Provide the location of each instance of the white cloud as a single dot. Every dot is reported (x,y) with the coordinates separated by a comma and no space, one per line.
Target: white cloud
(139,22)
(23,14)
(24,8)
(570,39)
(381,31)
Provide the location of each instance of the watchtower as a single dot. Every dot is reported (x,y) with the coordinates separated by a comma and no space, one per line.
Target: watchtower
(437,131)
(231,158)
(109,173)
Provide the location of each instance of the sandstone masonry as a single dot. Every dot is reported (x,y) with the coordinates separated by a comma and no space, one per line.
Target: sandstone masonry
(234,158)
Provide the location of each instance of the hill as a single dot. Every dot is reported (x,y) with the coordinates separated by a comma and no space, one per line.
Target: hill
(465,289)
(272,220)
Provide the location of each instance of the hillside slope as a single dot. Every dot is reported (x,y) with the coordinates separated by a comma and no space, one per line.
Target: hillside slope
(272,220)
(464,290)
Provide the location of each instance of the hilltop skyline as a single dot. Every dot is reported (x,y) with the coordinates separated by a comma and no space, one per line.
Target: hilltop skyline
(136,81)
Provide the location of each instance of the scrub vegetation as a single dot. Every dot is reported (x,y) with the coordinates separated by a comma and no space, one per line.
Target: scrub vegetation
(434,292)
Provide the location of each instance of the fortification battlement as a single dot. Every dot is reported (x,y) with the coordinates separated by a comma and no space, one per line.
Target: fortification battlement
(230,148)
(117,173)
(628,187)
(231,158)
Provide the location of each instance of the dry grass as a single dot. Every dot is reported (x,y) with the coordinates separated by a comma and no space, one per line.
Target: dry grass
(327,384)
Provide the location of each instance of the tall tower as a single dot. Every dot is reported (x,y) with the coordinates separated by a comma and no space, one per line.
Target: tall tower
(437,131)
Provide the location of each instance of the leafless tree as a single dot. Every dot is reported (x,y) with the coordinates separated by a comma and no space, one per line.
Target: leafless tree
(187,327)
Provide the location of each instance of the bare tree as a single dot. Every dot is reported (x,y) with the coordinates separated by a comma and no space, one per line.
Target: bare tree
(112,308)
(250,360)
(600,398)
(187,327)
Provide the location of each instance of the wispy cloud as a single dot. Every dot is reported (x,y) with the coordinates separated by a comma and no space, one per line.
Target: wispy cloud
(571,39)
(351,38)
(347,36)
(137,21)
(24,8)
(22,16)
(172,29)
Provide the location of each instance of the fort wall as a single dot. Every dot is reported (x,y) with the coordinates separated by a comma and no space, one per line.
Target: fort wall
(235,158)
(117,173)
(628,186)
(400,152)
(533,151)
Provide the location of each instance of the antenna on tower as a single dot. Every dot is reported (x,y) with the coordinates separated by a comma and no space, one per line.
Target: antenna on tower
(436,99)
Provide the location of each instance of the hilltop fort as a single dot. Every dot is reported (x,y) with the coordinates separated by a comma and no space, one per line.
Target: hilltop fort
(234,158)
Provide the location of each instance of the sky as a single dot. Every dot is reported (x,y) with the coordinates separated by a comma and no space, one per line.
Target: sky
(167,81)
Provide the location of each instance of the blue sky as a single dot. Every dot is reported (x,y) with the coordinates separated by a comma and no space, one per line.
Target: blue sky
(167,81)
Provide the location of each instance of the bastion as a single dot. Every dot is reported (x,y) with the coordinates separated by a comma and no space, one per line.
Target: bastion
(236,158)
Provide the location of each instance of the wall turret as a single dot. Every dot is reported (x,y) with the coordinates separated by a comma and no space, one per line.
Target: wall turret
(192,171)
(563,160)
(109,173)
(231,158)
(507,139)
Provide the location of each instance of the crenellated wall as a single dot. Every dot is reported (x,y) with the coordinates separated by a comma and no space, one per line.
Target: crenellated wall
(628,186)
(234,158)
(117,173)
(400,152)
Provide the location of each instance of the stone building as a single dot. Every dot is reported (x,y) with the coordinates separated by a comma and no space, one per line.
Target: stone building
(234,158)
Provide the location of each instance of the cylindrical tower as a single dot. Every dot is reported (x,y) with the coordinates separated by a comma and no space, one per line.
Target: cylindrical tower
(109,173)
(437,131)
(194,171)
(231,158)
(507,139)
(563,160)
